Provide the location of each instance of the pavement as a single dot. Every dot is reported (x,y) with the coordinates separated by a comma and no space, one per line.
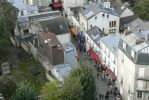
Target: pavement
(101,85)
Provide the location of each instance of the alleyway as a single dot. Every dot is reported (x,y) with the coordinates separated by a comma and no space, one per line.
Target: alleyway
(101,85)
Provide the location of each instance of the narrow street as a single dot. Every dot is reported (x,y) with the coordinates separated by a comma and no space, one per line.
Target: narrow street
(101,85)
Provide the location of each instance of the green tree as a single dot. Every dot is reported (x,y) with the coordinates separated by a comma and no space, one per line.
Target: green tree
(8,17)
(141,8)
(51,91)
(80,84)
(25,91)
(7,87)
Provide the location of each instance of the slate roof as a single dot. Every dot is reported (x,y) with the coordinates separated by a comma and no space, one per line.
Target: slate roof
(90,10)
(70,55)
(56,25)
(48,48)
(138,44)
(95,34)
(138,23)
(44,15)
(118,6)
(112,42)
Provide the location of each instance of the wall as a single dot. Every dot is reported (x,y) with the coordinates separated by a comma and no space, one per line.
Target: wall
(83,23)
(109,58)
(64,38)
(103,22)
(127,72)
(72,3)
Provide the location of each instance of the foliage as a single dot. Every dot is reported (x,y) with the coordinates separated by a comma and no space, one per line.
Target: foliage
(51,91)
(25,91)
(7,87)
(79,85)
(8,17)
(141,8)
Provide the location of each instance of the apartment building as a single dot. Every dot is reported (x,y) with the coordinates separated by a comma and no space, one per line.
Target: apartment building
(99,15)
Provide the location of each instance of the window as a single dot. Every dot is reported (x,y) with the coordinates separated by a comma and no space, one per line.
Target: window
(132,54)
(103,15)
(122,58)
(22,13)
(107,16)
(91,26)
(122,81)
(139,94)
(112,23)
(124,46)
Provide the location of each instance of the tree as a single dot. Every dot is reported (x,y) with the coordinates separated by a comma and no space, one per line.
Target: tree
(141,8)
(25,91)
(80,84)
(8,17)
(7,87)
(51,91)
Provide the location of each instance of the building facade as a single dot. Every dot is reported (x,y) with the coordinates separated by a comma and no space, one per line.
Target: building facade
(108,51)
(105,19)
(133,62)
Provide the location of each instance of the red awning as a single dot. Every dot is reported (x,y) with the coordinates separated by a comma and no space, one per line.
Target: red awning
(109,72)
(93,54)
(58,4)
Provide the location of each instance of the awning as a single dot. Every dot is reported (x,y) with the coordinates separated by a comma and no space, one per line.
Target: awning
(74,30)
(93,54)
(58,4)
(111,74)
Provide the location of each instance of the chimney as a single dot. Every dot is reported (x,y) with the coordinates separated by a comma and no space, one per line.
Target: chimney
(107,4)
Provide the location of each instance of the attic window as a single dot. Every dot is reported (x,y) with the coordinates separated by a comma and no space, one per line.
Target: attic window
(107,16)
(132,54)
(61,26)
(103,15)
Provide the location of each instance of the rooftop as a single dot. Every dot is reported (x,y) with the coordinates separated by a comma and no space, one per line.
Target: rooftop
(137,44)
(90,10)
(95,33)
(62,71)
(18,4)
(70,55)
(50,37)
(57,25)
(112,42)
(139,24)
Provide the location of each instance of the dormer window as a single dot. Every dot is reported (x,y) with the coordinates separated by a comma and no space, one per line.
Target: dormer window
(132,54)
(124,46)
(103,15)
(107,16)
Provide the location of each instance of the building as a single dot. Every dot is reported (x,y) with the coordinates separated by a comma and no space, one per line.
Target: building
(133,62)
(4,68)
(99,15)
(23,8)
(61,71)
(69,4)
(50,49)
(92,37)
(57,25)
(38,2)
(71,55)
(109,51)
(121,9)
